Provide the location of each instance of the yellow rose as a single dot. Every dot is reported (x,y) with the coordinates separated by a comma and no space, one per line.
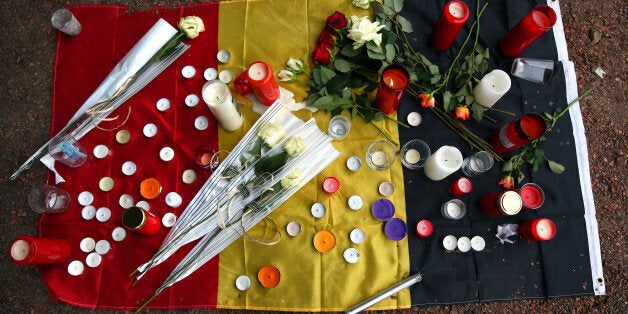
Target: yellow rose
(271,133)
(191,26)
(294,146)
(292,179)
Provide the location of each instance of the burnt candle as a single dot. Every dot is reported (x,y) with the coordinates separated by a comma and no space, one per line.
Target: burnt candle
(540,229)
(140,220)
(263,83)
(424,228)
(27,250)
(530,28)
(517,133)
(461,186)
(331,185)
(391,88)
(454,15)
(532,196)
(505,203)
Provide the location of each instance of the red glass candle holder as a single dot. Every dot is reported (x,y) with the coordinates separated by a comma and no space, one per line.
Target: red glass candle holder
(532,196)
(540,229)
(454,15)
(140,220)
(461,186)
(424,228)
(260,77)
(391,88)
(530,28)
(517,133)
(27,250)
(204,156)
(505,203)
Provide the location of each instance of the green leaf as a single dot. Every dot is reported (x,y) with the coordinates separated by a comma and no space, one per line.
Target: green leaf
(336,84)
(446,100)
(371,46)
(348,51)
(397,5)
(478,59)
(390,53)
(270,164)
(378,116)
(433,69)
(468,99)
(483,67)
(323,102)
(387,10)
(378,9)
(346,93)
(316,75)
(311,99)
(375,55)
(354,112)
(507,167)
(355,81)
(406,26)
(342,103)
(477,111)
(435,79)
(555,167)
(342,66)
(520,177)
(326,75)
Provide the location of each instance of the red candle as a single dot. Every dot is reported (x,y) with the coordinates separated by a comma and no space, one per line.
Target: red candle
(331,185)
(529,29)
(138,219)
(27,250)
(532,196)
(540,229)
(424,228)
(391,88)
(260,77)
(455,14)
(461,186)
(505,203)
(517,133)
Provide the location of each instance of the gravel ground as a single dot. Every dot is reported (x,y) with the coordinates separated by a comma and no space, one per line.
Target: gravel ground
(596,38)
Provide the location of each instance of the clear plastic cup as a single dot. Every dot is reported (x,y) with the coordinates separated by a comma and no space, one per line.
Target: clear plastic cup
(66,22)
(67,150)
(48,199)
(477,163)
(339,127)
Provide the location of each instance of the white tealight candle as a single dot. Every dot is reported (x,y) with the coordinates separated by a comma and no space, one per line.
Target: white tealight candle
(544,229)
(450,242)
(491,88)
(378,158)
(218,98)
(445,161)
(456,9)
(453,209)
(412,156)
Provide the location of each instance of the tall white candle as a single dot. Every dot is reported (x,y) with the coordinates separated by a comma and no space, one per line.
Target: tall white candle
(218,98)
(445,161)
(491,88)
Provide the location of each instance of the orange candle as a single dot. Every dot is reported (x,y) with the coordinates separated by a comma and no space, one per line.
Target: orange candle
(260,77)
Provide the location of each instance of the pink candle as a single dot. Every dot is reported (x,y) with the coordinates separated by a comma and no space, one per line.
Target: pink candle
(541,229)
(27,250)
(331,185)
(455,14)
(391,88)
(532,196)
(530,28)
(260,77)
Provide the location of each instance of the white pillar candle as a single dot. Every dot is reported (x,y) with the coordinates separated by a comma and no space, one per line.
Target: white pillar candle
(491,88)
(218,98)
(445,161)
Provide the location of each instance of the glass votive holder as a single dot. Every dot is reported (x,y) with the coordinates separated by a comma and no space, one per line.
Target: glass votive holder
(48,199)
(453,209)
(533,70)
(339,127)
(67,150)
(414,154)
(66,22)
(203,156)
(477,163)
(532,196)
(380,155)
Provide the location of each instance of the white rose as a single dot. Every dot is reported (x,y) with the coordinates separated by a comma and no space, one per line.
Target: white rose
(364,4)
(294,146)
(292,179)
(271,133)
(285,75)
(365,30)
(191,26)
(296,65)
(353,20)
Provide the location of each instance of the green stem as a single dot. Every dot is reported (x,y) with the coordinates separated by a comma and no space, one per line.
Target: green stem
(384,134)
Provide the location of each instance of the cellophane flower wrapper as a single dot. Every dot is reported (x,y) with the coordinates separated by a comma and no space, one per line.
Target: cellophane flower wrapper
(134,69)
(249,209)
(202,213)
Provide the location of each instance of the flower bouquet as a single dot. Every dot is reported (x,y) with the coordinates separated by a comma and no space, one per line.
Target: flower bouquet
(274,160)
(153,53)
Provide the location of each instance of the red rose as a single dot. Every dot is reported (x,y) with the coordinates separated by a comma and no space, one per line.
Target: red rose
(327,37)
(322,53)
(463,113)
(337,20)
(242,85)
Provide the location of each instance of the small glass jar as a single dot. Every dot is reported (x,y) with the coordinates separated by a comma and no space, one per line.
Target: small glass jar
(505,203)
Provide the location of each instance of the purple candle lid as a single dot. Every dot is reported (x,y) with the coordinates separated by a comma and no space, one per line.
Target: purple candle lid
(383,209)
(395,229)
